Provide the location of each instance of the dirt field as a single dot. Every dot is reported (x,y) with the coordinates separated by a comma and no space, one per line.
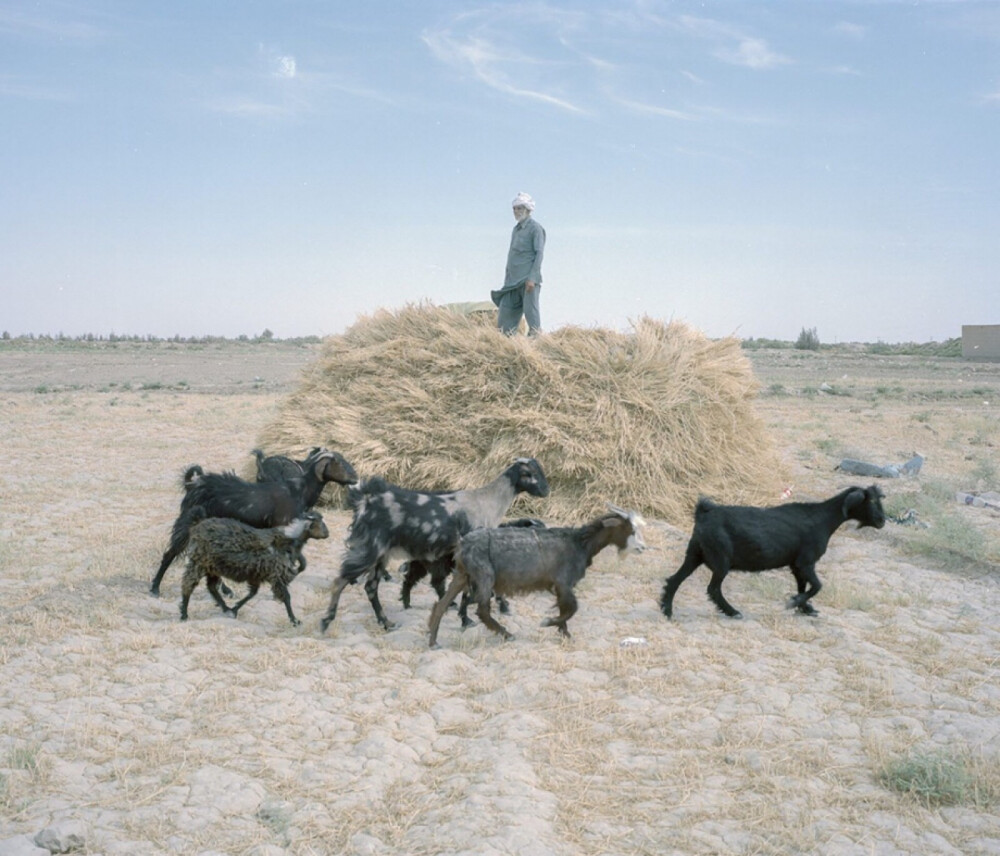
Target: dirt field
(776,734)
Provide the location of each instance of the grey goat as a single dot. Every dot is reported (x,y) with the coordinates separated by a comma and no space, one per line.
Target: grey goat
(518,560)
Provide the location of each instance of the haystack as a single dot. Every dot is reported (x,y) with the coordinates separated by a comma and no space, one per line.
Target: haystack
(430,398)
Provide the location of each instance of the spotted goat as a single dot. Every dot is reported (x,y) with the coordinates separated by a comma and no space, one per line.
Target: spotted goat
(391,522)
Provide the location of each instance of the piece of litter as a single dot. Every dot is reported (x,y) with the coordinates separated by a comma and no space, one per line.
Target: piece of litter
(984,500)
(632,641)
(889,471)
(909,518)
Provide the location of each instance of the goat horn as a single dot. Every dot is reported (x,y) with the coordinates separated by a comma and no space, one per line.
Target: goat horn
(632,516)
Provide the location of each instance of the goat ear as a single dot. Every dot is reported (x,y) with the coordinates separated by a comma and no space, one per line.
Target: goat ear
(853,499)
(320,463)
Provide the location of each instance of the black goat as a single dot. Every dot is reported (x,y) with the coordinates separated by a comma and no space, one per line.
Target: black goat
(223,547)
(742,538)
(280,467)
(262,504)
(520,560)
(391,521)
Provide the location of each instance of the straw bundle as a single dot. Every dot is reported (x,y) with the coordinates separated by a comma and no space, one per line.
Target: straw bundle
(432,399)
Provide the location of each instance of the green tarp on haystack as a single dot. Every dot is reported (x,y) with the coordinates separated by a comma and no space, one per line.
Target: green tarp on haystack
(433,399)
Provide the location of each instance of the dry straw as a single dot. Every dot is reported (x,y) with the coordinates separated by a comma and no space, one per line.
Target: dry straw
(429,398)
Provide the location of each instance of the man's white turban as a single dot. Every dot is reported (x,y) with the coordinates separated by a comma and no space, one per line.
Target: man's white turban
(522,198)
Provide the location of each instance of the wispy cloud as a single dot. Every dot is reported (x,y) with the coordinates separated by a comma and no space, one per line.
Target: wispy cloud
(275,64)
(574,60)
(491,66)
(280,89)
(752,53)
(734,46)
(38,24)
(12,87)
(483,44)
(286,67)
(853,31)
(656,110)
(270,86)
(238,105)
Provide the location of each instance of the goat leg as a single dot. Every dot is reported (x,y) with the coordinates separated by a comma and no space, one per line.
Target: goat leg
(171,553)
(483,611)
(212,582)
(413,571)
(808,585)
(185,597)
(236,607)
(463,610)
(566,601)
(458,583)
(281,593)
(331,611)
(692,559)
(371,589)
(715,593)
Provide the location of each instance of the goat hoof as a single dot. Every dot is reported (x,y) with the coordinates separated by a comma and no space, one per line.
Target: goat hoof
(434,646)
(295,622)
(154,592)
(389,626)
(324,624)
(737,615)
(468,622)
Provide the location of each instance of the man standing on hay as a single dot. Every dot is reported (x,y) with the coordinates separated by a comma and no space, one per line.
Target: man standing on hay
(523,280)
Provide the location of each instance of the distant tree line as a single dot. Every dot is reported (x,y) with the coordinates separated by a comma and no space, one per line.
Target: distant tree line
(265,336)
(808,340)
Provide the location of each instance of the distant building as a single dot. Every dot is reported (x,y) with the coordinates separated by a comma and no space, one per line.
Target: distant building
(981,341)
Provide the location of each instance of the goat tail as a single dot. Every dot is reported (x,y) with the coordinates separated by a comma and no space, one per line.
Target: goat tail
(358,560)
(703,506)
(180,535)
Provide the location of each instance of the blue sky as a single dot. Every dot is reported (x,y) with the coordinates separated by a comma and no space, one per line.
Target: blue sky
(750,168)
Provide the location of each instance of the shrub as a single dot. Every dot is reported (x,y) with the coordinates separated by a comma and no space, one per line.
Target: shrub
(808,340)
(933,777)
